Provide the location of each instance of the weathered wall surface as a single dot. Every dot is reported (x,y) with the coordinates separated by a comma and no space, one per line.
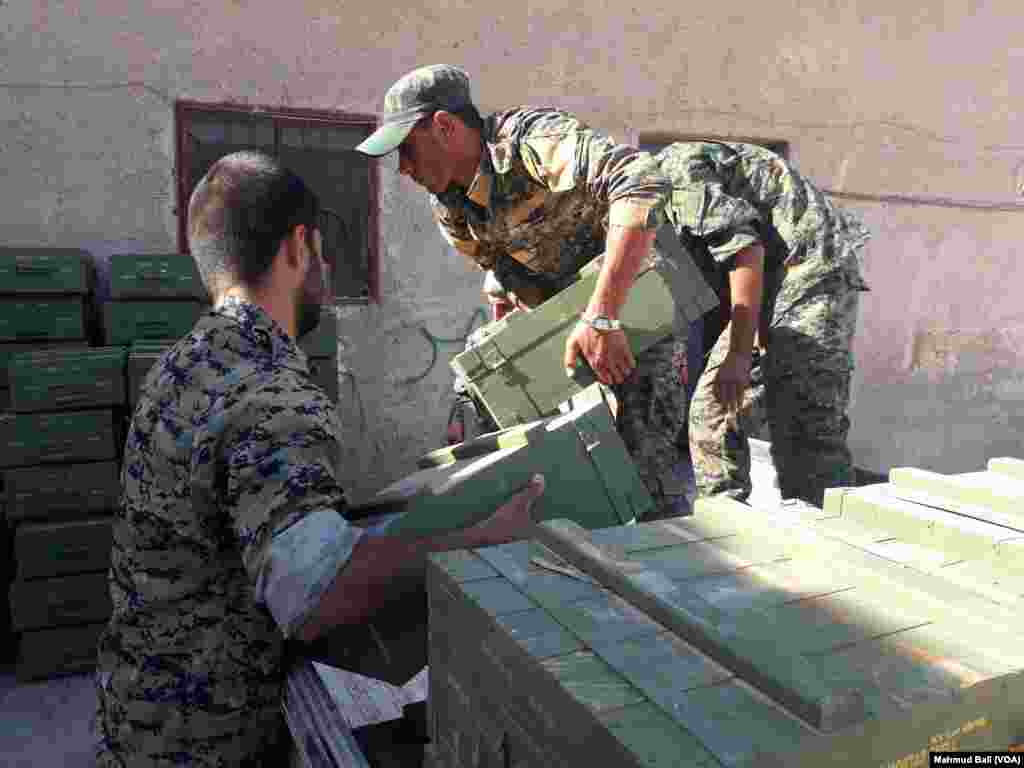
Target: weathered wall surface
(875,99)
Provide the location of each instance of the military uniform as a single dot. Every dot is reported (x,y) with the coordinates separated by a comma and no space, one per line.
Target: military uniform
(228,535)
(727,197)
(547,189)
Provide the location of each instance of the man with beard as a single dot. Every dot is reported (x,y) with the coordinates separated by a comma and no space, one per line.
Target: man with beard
(229,539)
(534,193)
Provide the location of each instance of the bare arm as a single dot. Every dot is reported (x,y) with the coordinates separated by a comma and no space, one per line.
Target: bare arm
(626,249)
(746,281)
(382,567)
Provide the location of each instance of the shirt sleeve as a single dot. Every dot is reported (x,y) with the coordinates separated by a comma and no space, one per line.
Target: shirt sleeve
(561,153)
(285,502)
(702,204)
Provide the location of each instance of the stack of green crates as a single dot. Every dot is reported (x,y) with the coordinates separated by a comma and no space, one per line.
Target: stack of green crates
(321,348)
(152,297)
(141,357)
(45,303)
(60,442)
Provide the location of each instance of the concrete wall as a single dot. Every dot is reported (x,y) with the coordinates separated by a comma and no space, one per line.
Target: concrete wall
(875,99)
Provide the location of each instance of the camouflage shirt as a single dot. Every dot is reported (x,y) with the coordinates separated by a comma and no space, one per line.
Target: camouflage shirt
(546,191)
(730,196)
(227,537)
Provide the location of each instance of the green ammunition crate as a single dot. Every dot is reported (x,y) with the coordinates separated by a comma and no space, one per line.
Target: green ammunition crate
(149,276)
(27,439)
(44,319)
(324,371)
(44,550)
(66,600)
(53,380)
(58,492)
(128,321)
(589,476)
(323,340)
(7,351)
(720,639)
(45,270)
(47,653)
(516,368)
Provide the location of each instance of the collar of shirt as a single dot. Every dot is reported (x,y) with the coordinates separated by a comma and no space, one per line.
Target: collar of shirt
(477,200)
(256,326)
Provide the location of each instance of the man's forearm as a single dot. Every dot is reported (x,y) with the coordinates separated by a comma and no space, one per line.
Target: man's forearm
(381,568)
(625,250)
(746,282)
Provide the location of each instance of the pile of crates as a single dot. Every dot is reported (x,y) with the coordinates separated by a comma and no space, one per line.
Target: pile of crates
(869,632)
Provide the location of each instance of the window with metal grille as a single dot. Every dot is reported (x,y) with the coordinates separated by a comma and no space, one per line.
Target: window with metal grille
(320,147)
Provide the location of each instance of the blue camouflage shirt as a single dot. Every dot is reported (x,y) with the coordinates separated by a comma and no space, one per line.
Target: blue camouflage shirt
(228,534)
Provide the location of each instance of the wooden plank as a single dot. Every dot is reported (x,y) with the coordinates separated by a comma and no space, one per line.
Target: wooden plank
(1007,466)
(316,725)
(993,491)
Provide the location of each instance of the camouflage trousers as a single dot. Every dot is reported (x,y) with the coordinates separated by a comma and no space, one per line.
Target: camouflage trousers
(800,385)
(651,418)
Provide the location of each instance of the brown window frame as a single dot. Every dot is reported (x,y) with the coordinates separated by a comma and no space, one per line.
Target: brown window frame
(289,116)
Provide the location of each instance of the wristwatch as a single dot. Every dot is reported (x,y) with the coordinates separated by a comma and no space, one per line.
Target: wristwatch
(601,323)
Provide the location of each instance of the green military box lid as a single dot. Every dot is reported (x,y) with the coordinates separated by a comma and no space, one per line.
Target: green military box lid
(146,276)
(61,491)
(67,437)
(66,600)
(8,350)
(589,477)
(322,341)
(47,653)
(516,368)
(47,318)
(127,321)
(324,372)
(51,380)
(736,637)
(43,550)
(45,270)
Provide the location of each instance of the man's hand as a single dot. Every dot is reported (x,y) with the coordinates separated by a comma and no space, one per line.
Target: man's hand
(607,352)
(512,521)
(732,380)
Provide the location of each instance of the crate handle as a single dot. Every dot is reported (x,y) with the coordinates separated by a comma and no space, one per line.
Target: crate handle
(72,553)
(152,275)
(151,324)
(26,266)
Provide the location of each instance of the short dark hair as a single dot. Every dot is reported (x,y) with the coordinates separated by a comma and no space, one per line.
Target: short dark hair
(239,213)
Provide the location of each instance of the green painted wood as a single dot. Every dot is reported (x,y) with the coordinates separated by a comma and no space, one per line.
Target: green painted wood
(645,536)
(61,491)
(56,438)
(66,600)
(128,321)
(656,740)
(592,682)
(993,491)
(52,380)
(44,550)
(517,369)
(539,634)
(464,565)
(48,653)
(9,350)
(152,275)
(44,319)
(512,437)
(45,270)
(465,492)
(1007,466)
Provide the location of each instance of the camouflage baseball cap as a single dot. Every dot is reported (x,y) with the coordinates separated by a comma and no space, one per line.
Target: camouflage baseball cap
(417,95)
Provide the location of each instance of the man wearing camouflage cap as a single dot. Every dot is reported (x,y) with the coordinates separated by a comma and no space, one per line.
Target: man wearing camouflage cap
(534,194)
